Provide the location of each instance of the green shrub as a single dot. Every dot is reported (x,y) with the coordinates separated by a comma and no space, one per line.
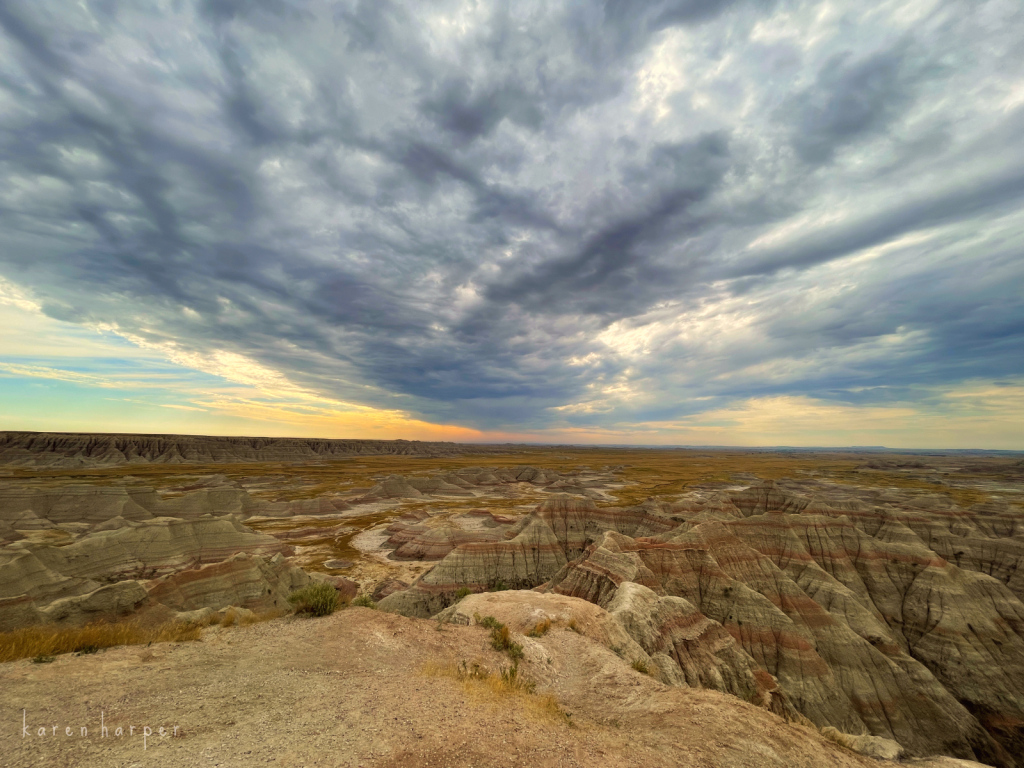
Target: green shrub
(463,592)
(317,599)
(487,621)
(364,601)
(641,666)
(501,640)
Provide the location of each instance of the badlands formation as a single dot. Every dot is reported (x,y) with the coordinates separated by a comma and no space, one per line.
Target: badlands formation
(62,449)
(817,607)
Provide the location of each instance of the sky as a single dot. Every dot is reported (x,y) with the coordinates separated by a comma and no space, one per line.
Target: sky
(706,222)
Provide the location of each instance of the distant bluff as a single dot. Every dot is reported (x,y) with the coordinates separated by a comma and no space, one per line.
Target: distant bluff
(68,450)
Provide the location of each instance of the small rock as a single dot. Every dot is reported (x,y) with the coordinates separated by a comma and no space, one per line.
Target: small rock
(388,587)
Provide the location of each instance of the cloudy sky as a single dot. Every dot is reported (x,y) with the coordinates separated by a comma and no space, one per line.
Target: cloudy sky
(705,222)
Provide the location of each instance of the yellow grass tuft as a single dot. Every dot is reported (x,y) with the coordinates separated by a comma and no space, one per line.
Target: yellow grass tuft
(499,688)
(540,629)
(44,641)
(259,618)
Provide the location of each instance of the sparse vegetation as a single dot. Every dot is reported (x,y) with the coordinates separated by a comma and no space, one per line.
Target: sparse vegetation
(661,473)
(510,677)
(364,601)
(42,644)
(508,685)
(641,666)
(575,627)
(501,637)
(501,640)
(315,600)
(463,592)
(500,586)
(488,622)
(540,629)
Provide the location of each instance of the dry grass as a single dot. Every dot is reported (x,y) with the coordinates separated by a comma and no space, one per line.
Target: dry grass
(962,497)
(501,640)
(47,641)
(657,472)
(501,689)
(40,642)
(540,629)
(649,471)
(232,617)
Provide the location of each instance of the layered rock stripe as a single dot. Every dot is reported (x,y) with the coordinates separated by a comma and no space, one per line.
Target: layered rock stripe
(841,613)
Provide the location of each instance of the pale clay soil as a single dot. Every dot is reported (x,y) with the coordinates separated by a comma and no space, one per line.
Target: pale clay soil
(350,690)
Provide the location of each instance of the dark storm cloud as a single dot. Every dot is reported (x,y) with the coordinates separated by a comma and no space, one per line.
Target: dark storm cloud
(618,268)
(469,115)
(483,213)
(849,99)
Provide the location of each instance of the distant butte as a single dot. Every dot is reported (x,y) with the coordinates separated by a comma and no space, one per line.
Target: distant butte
(61,450)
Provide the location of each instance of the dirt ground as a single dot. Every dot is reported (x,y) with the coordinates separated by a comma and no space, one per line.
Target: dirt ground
(350,690)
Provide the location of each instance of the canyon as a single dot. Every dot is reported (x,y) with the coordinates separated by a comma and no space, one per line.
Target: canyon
(870,598)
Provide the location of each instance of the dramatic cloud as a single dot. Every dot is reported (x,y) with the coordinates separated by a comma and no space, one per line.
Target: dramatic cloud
(645,221)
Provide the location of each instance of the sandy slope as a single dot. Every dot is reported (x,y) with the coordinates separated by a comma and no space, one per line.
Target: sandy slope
(348,690)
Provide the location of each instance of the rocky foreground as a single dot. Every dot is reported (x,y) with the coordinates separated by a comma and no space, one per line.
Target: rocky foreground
(356,689)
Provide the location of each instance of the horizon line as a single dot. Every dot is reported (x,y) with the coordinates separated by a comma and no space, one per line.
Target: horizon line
(648,446)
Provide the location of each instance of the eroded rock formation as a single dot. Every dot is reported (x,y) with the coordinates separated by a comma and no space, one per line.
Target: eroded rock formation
(463,481)
(60,449)
(80,508)
(33,577)
(848,608)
